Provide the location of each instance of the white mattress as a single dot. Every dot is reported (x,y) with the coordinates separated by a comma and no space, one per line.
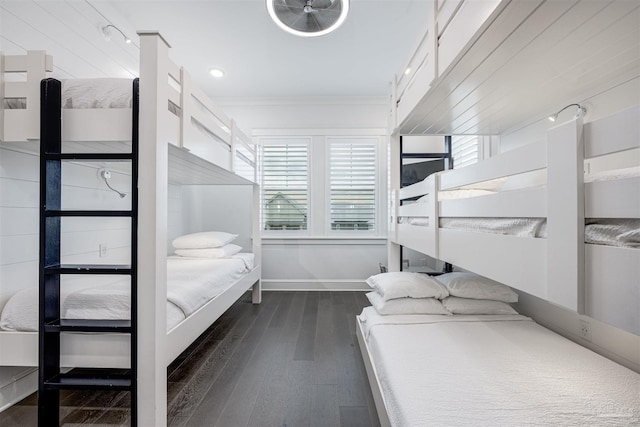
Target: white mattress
(523,227)
(495,371)
(191,282)
(89,93)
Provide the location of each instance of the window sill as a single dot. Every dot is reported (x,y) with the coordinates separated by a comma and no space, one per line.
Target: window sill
(324,240)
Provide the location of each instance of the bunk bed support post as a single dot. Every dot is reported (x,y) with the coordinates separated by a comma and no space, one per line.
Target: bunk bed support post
(152,237)
(256,290)
(565,215)
(394,253)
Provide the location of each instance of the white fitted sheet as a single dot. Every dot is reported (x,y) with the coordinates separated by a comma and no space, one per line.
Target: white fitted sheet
(495,371)
(191,282)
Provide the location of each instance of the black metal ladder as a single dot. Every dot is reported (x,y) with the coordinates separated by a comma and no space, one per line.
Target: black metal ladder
(51,326)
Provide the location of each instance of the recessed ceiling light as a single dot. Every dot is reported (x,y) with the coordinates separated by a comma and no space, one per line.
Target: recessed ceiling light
(216,72)
(407,71)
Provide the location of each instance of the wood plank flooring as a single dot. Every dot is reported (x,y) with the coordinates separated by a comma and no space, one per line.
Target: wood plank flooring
(291,361)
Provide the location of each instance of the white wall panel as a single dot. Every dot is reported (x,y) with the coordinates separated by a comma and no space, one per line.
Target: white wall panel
(318,259)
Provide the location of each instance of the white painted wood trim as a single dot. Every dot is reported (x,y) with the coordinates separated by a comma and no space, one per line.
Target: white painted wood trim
(418,238)
(424,187)
(96,124)
(524,159)
(618,132)
(313,285)
(613,281)
(565,220)
(23,125)
(152,232)
(520,262)
(372,375)
(613,199)
(525,203)
(22,387)
(180,337)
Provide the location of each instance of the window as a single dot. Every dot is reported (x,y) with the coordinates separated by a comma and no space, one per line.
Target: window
(464,150)
(352,176)
(285,184)
(322,186)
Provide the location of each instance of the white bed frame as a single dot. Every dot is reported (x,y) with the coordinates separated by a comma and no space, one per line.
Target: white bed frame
(172,151)
(561,268)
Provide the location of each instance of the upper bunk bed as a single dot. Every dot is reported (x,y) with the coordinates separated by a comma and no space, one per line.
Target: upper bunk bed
(184,139)
(473,74)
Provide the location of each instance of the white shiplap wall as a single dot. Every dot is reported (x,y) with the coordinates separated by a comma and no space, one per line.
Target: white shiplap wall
(69,30)
(81,237)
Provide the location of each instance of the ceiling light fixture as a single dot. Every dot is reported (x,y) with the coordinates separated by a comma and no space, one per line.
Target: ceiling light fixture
(581,111)
(106,33)
(216,72)
(407,71)
(308,18)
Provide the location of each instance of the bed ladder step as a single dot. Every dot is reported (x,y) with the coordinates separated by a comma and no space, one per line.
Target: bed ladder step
(89,325)
(52,267)
(123,269)
(88,213)
(90,381)
(89,156)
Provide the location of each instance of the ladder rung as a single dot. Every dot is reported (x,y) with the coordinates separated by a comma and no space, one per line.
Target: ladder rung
(72,381)
(89,325)
(67,213)
(89,156)
(88,269)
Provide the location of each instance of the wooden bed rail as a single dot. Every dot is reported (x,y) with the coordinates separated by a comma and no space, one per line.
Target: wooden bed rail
(24,122)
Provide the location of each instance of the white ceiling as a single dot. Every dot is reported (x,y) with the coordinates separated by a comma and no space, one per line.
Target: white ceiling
(260,60)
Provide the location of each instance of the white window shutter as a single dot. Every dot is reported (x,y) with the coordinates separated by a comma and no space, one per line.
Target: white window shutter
(285,185)
(352,184)
(464,150)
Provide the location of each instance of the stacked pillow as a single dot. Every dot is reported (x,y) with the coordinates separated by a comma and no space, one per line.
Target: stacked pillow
(450,293)
(406,293)
(206,244)
(473,294)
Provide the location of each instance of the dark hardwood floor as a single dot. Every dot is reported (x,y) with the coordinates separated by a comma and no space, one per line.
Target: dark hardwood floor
(291,361)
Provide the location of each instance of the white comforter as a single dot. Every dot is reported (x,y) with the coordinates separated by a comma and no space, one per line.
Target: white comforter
(191,282)
(487,371)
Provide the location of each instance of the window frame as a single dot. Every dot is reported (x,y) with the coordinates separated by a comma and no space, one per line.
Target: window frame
(284,140)
(378,186)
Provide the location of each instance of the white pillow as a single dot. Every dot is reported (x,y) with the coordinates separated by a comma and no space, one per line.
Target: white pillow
(223,252)
(401,284)
(406,305)
(204,239)
(476,306)
(469,285)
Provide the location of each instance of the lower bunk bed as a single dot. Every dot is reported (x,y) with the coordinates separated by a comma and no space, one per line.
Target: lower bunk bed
(498,370)
(199,291)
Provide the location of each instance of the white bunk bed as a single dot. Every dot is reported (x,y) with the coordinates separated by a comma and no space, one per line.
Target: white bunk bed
(547,256)
(500,370)
(483,68)
(185,139)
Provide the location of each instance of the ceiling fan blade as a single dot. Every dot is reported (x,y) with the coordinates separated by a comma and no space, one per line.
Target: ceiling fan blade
(324,4)
(296,4)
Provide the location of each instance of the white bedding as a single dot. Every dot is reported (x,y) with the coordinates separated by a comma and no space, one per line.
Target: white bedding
(190,284)
(523,227)
(495,371)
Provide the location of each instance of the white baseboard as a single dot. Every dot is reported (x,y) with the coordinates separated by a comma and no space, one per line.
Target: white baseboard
(13,392)
(314,285)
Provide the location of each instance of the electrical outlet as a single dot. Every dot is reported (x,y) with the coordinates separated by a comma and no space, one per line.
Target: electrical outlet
(585,330)
(102,250)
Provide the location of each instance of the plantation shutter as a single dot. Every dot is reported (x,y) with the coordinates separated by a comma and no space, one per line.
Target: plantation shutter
(464,150)
(285,185)
(352,184)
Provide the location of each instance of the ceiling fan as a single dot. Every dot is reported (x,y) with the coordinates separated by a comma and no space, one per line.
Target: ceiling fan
(308,18)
